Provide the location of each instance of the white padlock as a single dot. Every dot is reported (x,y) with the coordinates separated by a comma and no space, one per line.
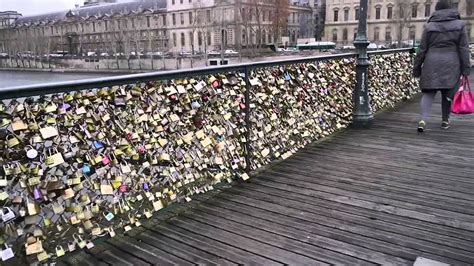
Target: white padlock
(7,214)
(7,253)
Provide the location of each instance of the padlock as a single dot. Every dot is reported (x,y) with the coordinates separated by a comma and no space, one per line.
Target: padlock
(53,158)
(60,251)
(71,246)
(79,241)
(7,253)
(109,216)
(37,195)
(7,214)
(34,248)
(147,213)
(12,141)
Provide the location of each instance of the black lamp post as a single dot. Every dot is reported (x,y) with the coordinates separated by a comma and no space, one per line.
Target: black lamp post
(362,113)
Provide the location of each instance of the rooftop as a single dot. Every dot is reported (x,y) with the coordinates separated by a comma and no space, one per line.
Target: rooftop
(95,11)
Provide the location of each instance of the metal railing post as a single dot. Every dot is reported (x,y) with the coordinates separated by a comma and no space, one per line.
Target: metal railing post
(362,113)
(248,151)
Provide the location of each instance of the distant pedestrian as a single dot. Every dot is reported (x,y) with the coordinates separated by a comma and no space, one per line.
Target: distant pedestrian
(442,59)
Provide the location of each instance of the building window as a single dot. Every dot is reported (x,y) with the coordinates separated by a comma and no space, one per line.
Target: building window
(148,22)
(164,20)
(200,38)
(346,14)
(181,1)
(355,33)
(389,12)
(414,11)
(356,13)
(172,2)
(388,35)
(106,25)
(93,26)
(376,34)
(208,38)
(181,16)
(334,35)
(175,43)
(336,15)
(208,15)
(173,18)
(427,10)
(191,18)
(183,39)
(344,34)
(377,12)
(191,39)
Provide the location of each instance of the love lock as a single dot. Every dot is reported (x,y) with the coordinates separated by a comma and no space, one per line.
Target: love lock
(7,214)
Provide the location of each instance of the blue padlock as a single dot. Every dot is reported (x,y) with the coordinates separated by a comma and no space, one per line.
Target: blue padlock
(86,169)
(97,145)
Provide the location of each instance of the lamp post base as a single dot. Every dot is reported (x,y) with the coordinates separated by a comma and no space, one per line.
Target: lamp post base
(362,121)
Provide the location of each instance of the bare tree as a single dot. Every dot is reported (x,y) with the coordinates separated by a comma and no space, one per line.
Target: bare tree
(202,23)
(280,18)
(402,17)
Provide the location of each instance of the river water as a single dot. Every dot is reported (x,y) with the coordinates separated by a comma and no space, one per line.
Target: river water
(20,78)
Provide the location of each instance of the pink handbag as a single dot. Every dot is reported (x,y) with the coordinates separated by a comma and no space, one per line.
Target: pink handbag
(463,102)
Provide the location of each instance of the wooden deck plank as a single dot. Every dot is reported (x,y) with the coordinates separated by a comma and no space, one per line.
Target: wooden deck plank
(275,230)
(298,230)
(114,256)
(212,246)
(354,222)
(180,250)
(379,175)
(336,209)
(369,233)
(234,238)
(147,252)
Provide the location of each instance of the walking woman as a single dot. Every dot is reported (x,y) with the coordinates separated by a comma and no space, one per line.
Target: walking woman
(442,59)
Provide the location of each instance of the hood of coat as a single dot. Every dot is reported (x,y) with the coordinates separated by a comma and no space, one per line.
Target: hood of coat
(445,15)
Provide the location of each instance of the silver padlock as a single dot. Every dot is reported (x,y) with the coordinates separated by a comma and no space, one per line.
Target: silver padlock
(7,214)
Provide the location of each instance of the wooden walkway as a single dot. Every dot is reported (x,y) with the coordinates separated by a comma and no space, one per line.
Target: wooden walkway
(363,197)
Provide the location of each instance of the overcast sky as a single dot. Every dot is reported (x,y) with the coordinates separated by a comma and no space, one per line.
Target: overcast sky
(35,7)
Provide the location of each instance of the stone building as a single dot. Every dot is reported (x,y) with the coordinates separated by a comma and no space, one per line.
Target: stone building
(145,26)
(389,21)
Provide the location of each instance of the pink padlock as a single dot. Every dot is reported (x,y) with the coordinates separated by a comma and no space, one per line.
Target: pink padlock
(123,188)
(105,160)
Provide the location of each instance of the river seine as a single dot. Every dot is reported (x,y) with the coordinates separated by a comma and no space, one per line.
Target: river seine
(20,78)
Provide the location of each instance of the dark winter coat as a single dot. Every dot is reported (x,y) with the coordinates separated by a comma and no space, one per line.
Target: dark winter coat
(444,51)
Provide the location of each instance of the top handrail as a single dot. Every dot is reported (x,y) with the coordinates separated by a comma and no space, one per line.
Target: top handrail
(67,86)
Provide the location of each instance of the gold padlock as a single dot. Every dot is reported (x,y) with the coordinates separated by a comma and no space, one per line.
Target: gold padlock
(12,141)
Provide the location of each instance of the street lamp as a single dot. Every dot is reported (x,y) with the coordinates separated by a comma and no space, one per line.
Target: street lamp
(362,113)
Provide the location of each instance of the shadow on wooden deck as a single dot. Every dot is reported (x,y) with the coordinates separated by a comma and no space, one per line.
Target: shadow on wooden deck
(381,196)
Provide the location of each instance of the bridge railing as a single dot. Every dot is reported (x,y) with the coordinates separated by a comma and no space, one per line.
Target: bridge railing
(83,159)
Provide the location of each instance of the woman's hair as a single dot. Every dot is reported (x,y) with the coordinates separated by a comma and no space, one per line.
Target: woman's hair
(443,4)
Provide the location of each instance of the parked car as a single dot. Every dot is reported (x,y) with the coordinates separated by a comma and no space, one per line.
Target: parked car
(231,52)
(119,54)
(3,54)
(91,54)
(104,54)
(136,54)
(155,53)
(212,52)
(184,53)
